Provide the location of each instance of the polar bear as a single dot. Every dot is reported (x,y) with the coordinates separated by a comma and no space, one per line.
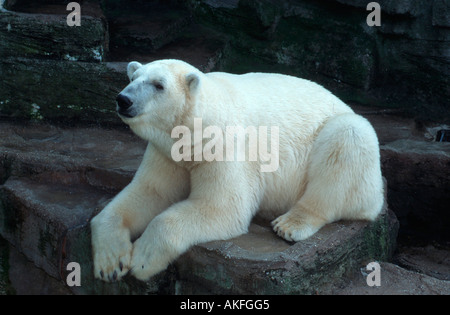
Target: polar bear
(328,167)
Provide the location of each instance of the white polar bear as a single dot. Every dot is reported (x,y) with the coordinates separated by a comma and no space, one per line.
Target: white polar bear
(329,166)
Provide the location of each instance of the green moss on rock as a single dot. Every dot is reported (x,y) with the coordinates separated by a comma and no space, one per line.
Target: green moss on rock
(48,36)
(59,91)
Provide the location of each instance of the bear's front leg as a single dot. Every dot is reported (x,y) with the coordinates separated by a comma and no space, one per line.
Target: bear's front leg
(111,245)
(157,184)
(220,206)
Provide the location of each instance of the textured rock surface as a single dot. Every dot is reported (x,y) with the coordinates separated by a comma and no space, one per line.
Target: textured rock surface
(65,91)
(394,281)
(416,168)
(261,263)
(58,73)
(431,260)
(404,63)
(48,36)
(144,27)
(5,286)
(418,174)
(26,279)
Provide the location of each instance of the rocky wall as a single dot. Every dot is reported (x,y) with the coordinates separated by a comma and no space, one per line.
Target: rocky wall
(5,285)
(404,63)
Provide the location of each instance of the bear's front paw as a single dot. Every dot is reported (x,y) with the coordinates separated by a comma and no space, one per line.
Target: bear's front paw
(148,259)
(111,253)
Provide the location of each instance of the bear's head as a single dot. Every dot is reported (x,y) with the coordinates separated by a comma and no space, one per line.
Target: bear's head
(158,95)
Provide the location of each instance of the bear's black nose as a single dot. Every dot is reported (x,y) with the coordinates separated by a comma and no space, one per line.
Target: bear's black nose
(123,101)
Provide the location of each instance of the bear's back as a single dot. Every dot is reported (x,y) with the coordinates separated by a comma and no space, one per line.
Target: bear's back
(270,97)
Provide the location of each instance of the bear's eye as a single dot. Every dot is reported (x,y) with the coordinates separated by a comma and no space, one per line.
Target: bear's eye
(158,86)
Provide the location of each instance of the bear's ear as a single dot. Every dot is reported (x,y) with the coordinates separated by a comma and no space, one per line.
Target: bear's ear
(192,81)
(132,67)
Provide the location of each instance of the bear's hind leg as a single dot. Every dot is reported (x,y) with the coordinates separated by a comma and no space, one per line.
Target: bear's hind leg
(343,179)
(298,223)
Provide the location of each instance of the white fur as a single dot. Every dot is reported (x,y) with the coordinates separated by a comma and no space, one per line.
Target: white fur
(329,167)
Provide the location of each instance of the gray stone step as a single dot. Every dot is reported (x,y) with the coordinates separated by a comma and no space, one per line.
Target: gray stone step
(104,159)
(418,174)
(36,218)
(63,91)
(431,260)
(49,225)
(82,92)
(394,281)
(54,182)
(417,169)
(57,73)
(46,35)
(261,263)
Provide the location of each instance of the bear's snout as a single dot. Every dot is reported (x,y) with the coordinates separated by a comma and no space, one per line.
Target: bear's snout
(124,103)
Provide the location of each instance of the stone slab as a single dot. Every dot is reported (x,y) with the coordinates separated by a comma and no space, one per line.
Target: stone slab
(432,260)
(49,225)
(67,92)
(394,281)
(418,174)
(261,263)
(48,36)
(66,156)
(26,279)
(35,218)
